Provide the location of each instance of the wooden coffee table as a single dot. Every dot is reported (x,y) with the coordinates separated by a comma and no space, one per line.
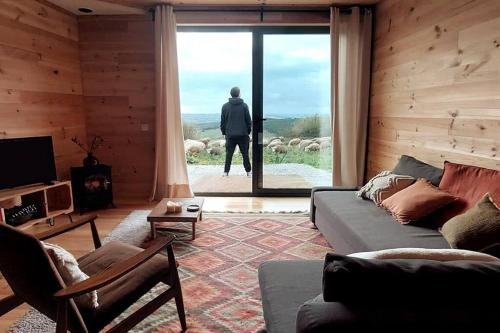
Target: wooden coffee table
(158,215)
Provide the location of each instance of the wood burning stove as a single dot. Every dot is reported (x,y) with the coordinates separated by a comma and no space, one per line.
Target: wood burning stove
(92,187)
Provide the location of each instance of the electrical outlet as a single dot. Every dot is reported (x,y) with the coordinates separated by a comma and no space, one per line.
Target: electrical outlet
(144,127)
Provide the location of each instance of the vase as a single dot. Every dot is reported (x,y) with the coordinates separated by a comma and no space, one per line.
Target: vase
(90,160)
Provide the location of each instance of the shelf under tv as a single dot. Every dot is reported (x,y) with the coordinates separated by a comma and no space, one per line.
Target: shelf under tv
(55,199)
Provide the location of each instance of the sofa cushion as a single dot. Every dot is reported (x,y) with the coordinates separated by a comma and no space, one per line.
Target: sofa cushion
(416,201)
(469,184)
(476,229)
(368,281)
(383,185)
(410,166)
(362,226)
(284,286)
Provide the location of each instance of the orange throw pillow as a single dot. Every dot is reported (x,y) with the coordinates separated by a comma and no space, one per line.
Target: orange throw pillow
(416,201)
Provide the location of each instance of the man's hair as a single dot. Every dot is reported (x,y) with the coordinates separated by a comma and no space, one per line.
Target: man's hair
(235,92)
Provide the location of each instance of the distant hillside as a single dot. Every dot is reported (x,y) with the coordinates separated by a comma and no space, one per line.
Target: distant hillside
(208,125)
(202,118)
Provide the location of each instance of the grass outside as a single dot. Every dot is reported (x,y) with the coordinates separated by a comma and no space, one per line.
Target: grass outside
(317,159)
(288,128)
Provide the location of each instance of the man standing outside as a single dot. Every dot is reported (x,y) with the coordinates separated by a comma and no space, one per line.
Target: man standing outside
(236,125)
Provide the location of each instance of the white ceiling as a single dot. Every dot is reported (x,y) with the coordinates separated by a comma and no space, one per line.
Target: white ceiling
(121,7)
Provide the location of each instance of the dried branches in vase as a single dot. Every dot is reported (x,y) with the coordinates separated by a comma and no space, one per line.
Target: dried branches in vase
(90,160)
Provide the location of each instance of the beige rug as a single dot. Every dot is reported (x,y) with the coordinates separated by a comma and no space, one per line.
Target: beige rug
(240,183)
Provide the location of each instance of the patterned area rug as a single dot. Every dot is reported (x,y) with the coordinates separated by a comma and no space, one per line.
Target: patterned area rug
(218,270)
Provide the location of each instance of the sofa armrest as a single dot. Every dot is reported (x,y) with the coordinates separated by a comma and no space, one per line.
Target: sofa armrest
(315,317)
(312,210)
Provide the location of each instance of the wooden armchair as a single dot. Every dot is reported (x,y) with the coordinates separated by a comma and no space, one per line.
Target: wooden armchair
(120,273)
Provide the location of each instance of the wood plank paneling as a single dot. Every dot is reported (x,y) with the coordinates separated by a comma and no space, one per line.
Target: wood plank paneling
(239,18)
(40,78)
(117,59)
(435,83)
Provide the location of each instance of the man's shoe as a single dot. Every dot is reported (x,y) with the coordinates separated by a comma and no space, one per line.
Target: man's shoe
(225,174)
(249,174)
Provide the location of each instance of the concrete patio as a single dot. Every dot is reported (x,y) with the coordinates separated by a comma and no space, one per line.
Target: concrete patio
(208,178)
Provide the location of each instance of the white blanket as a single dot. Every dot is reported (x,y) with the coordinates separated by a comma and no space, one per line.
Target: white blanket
(429,254)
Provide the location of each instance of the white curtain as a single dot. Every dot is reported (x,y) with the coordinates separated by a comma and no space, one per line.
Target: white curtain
(350,35)
(170,175)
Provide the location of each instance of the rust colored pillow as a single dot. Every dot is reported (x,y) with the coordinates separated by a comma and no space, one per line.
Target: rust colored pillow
(416,201)
(469,184)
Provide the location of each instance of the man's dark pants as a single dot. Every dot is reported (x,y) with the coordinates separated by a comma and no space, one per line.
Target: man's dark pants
(243,143)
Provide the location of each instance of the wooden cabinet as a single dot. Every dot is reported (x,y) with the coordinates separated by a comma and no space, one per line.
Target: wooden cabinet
(48,202)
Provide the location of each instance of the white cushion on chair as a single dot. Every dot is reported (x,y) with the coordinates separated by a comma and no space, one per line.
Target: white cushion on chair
(70,272)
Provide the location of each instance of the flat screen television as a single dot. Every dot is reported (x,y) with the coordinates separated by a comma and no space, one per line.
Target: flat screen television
(25,161)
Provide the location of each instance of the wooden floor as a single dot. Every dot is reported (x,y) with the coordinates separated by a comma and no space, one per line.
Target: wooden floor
(79,241)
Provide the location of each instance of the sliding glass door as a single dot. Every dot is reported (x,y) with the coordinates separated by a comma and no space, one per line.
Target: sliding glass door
(284,77)
(295,146)
(210,64)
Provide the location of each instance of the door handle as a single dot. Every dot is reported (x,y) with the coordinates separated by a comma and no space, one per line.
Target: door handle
(260,119)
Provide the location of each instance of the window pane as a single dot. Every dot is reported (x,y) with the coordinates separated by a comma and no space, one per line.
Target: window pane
(210,64)
(297,132)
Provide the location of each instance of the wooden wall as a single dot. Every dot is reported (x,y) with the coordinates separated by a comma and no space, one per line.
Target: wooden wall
(40,78)
(117,59)
(436,83)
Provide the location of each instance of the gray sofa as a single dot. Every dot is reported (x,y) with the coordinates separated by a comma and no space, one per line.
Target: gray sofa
(350,225)
(291,290)
(292,302)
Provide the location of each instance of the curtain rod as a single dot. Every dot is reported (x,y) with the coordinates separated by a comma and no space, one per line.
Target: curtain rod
(258,9)
(254,10)
(261,9)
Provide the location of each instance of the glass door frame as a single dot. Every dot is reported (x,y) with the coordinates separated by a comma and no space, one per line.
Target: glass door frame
(258,106)
(258,33)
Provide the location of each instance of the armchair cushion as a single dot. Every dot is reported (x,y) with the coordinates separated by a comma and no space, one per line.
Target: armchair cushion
(120,294)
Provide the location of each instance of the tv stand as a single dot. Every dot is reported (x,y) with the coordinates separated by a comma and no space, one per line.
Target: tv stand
(54,200)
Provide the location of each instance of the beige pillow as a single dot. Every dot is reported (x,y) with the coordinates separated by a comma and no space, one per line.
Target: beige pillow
(70,272)
(383,185)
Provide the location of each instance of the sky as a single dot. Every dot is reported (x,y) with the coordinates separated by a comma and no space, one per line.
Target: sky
(296,72)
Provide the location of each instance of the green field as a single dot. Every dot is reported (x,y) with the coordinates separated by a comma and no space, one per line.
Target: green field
(288,128)
(321,160)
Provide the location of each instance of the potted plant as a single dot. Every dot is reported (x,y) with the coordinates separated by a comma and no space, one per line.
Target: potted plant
(90,160)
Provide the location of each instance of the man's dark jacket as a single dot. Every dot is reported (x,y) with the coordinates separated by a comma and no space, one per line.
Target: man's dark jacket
(235,118)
